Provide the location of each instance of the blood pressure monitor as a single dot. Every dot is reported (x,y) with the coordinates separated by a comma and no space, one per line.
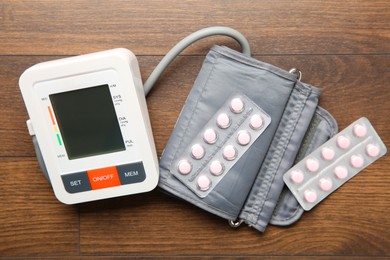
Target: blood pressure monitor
(89,117)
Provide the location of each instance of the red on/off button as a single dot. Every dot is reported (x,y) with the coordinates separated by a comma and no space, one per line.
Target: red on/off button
(103,178)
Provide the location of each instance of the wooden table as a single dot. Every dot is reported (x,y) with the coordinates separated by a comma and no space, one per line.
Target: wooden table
(343,47)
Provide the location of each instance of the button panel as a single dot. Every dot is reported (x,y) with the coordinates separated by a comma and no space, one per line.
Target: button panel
(104,177)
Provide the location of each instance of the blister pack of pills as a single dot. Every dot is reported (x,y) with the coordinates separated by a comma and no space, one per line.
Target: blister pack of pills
(334,163)
(220,144)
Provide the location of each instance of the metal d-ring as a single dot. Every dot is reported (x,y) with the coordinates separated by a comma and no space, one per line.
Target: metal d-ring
(297,72)
(235,223)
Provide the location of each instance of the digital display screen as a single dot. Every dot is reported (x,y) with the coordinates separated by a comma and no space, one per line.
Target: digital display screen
(87,121)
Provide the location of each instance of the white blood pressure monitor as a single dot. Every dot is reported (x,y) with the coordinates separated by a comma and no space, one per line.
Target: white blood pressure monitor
(90,120)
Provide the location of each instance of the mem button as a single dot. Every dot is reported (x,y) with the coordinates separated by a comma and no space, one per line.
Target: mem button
(131,173)
(103,178)
(76,182)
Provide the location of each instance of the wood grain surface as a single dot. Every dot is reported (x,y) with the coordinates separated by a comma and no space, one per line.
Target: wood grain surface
(343,47)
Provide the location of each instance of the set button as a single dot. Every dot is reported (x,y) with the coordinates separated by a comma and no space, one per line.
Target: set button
(76,182)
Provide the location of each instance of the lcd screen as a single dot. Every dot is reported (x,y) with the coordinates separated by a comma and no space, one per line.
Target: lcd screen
(87,121)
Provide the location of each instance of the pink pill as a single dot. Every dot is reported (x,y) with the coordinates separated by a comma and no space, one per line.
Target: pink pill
(310,196)
(184,167)
(203,182)
(229,152)
(312,165)
(210,136)
(256,122)
(223,120)
(359,130)
(236,105)
(372,150)
(216,168)
(327,153)
(243,137)
(197,151)
(343,142)
(325,184)
(341,172)
(296,177)
(357,161)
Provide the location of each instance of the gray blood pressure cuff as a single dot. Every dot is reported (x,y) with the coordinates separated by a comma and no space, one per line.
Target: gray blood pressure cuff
(244,124)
